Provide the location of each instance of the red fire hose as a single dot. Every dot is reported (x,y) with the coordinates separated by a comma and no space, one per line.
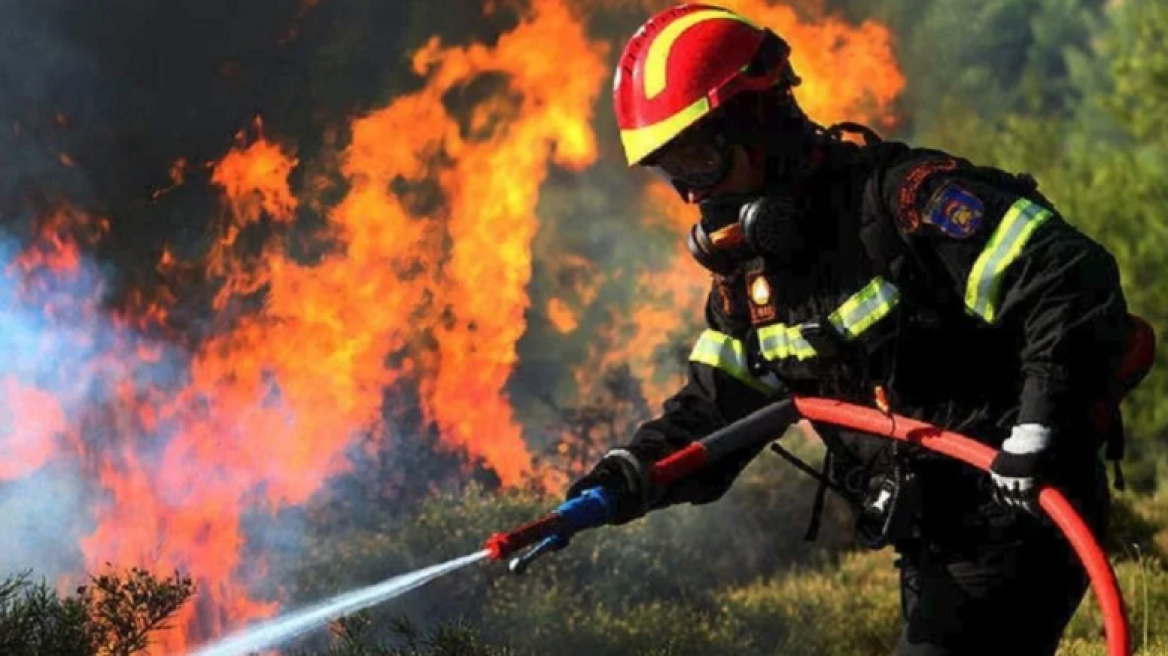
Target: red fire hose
(759,428)
(874,422)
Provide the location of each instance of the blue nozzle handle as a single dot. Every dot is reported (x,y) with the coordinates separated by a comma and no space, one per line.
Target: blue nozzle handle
(589,509)
(549,544)
(592,508)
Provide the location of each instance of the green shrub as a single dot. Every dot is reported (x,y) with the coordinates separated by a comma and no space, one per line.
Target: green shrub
(853,608)
(114,615)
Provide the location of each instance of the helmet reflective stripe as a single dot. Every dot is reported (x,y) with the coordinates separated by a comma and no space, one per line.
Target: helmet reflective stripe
(640,142)
(984,287)
(854,316)
(657,60)
(727,354)
(864,308)
(681,65)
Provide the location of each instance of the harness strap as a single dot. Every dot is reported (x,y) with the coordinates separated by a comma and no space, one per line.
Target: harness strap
(820,494)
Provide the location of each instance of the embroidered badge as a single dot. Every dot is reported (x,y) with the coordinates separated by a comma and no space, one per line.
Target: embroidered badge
(954,211)
(908,216)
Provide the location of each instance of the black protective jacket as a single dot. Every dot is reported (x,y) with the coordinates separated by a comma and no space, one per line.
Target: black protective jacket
(959,289)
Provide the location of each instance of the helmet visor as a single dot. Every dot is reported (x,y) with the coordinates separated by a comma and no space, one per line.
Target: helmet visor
(693,163)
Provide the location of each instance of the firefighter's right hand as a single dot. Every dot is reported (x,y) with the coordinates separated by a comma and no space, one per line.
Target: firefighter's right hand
(625,477)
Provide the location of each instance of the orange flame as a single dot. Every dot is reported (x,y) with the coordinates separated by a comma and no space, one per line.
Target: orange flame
(493,188)
(255,180)
(31,421)
(272,404)
(848,72)
(56,248)
(561,316)
(575,283)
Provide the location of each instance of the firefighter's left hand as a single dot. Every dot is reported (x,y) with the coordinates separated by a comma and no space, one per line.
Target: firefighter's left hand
(623,475)
(1019,464)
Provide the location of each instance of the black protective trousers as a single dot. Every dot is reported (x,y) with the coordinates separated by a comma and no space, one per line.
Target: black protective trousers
(1011,595)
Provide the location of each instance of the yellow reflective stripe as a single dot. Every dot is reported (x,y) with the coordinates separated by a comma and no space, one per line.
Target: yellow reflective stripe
(640,142)
(855,315)
(657,59)
(723,352)
(864,308)
(778,341)
(984,287)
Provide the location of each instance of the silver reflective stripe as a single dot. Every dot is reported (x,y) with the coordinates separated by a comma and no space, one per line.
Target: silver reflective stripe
(778,341)
(864,308)
(723,352)
(983,290)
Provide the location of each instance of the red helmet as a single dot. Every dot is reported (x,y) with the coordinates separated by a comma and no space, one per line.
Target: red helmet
(684,63)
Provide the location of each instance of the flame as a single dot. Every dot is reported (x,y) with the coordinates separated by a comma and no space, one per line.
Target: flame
(849,72)
(272,401)
(493,189)
(56,248)
(562,317)
(575,283)
(31,420)
(255,180)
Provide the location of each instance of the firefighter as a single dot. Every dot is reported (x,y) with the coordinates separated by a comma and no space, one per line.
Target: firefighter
(880,274)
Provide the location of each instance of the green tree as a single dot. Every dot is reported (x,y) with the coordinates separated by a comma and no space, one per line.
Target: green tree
(988,58)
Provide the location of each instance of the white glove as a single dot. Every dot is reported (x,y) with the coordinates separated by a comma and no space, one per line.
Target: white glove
(1019,464)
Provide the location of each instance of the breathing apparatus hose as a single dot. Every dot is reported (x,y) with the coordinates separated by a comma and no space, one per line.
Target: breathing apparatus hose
(593,508)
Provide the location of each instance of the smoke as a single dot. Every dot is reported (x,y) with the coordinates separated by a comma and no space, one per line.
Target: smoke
(62,366)
(45,515)
(39,75)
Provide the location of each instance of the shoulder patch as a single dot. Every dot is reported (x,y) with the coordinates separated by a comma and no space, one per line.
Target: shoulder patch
(954,211)
(908,214)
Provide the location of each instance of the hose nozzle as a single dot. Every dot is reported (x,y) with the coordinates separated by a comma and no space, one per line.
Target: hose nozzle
(590,509)
(519,564)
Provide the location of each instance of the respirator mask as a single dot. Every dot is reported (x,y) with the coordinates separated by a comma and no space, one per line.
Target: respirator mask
(735,229)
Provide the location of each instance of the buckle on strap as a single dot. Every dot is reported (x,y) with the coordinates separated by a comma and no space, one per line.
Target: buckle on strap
(822,336)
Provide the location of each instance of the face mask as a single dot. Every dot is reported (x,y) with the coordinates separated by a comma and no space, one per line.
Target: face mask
(773,227)
(735,229)
(717,241)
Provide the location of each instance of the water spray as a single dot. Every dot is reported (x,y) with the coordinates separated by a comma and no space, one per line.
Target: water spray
(281,629)
(594,508)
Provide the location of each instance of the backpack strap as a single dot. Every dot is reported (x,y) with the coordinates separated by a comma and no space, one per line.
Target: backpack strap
(1139,354)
